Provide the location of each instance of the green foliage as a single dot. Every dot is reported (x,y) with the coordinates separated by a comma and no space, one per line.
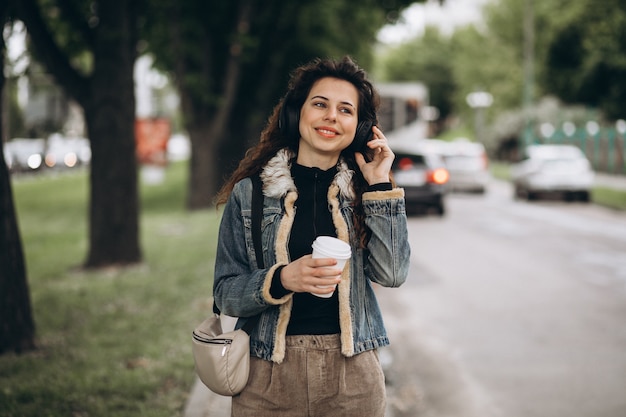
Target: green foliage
(71,25)
(115,342)
(586,57)
(428,60)
(579,57)
(484,63)
(231,62)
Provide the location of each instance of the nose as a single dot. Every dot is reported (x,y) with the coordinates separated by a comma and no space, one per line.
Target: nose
(331,114)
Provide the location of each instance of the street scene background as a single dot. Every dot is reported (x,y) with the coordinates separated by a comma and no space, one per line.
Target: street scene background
(120,123)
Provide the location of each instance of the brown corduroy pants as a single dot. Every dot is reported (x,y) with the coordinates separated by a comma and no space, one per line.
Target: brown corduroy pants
(314,380)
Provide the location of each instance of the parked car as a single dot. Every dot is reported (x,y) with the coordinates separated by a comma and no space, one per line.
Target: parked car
(24,155)
(422,173)
(468,165)
(63,152)
(561,170)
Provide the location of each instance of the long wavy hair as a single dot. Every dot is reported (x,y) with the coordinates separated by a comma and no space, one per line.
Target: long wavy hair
(272,139)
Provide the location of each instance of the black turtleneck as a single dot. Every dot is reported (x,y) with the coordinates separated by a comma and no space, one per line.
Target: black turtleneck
(313,216)
(311,314)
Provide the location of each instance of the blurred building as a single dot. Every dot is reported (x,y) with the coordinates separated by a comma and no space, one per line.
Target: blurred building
(45,107)
(403,104)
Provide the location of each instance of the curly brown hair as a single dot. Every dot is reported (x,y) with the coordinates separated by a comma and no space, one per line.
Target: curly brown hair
(272,139)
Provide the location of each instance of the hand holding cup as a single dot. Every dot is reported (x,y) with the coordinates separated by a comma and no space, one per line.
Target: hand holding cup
(331,247)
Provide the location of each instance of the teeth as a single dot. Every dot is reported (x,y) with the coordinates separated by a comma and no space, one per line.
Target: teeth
(327,132)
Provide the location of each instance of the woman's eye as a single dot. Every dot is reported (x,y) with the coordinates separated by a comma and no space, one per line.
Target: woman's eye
(346,110)
(320,104)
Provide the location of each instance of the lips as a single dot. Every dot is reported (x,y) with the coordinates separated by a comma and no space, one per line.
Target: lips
(327,132)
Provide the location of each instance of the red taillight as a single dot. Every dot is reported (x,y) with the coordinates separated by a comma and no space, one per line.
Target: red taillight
(438,176)
(405,163)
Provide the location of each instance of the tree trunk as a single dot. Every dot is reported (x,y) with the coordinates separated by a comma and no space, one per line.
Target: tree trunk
(17,328)
(204,167)
(108,101)
(110,117)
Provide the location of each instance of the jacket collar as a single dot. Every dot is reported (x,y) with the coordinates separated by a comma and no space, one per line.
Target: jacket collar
(277,180)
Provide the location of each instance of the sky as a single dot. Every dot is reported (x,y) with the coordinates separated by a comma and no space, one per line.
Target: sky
(415,18)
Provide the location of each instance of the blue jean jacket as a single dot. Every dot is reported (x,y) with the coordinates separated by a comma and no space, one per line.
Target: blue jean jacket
(241,290)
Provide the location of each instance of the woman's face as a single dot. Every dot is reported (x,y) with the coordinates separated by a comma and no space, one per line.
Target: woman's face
(328,122)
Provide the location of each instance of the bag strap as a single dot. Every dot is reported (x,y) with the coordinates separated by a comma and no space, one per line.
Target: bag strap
(257,216)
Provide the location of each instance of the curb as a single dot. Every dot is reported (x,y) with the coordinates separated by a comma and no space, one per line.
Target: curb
(202,402)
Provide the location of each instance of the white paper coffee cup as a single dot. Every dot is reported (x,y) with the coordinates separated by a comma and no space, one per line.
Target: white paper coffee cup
(331,247)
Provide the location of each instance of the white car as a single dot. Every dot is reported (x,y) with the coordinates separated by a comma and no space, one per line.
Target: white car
(63,152)
(553,169)
(468,165)
(24,155)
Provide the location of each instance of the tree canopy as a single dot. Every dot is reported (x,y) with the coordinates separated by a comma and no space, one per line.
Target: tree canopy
(427,59)
(585,59)
(579,57)
(231,61)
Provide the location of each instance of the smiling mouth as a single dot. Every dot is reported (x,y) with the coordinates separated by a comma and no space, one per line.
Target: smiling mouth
(327,132)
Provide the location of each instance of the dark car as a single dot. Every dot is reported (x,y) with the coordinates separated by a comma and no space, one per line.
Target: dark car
(422,173)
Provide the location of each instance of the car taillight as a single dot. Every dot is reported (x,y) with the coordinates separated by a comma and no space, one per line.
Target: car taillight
(438,176)
(405,163)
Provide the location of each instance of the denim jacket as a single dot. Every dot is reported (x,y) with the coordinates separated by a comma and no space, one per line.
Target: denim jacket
(241,290)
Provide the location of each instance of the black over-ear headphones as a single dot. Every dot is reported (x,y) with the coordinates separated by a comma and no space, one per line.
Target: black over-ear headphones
(289,121)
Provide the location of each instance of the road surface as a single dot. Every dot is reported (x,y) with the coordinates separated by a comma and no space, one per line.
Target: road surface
(512,309)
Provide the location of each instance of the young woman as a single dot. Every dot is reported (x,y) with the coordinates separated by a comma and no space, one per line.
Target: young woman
(325,169)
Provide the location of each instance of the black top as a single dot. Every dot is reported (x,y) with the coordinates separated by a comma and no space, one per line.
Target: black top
(311,314)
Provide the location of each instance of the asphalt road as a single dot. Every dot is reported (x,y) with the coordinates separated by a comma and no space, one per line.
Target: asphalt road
(512,309)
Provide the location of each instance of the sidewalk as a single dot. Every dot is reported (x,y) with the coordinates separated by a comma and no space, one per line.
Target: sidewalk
(204,403)
(610,180)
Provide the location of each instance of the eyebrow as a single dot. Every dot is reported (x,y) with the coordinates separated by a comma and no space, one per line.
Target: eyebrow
(325,98)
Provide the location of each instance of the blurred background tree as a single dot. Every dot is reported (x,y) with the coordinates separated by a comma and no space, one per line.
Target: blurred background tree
(17,327)
(90,50)
(585,59)
(428,59)
(579,63)
(230,62)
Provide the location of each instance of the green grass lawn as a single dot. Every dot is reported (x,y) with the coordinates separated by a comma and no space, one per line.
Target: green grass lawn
(115,342)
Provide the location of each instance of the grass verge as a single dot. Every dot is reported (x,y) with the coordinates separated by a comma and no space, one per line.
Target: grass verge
(114,342)
(608,197)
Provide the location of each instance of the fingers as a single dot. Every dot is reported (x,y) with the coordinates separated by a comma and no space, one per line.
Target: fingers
(360,160)
(306,274)
(379,142)
(376,169)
